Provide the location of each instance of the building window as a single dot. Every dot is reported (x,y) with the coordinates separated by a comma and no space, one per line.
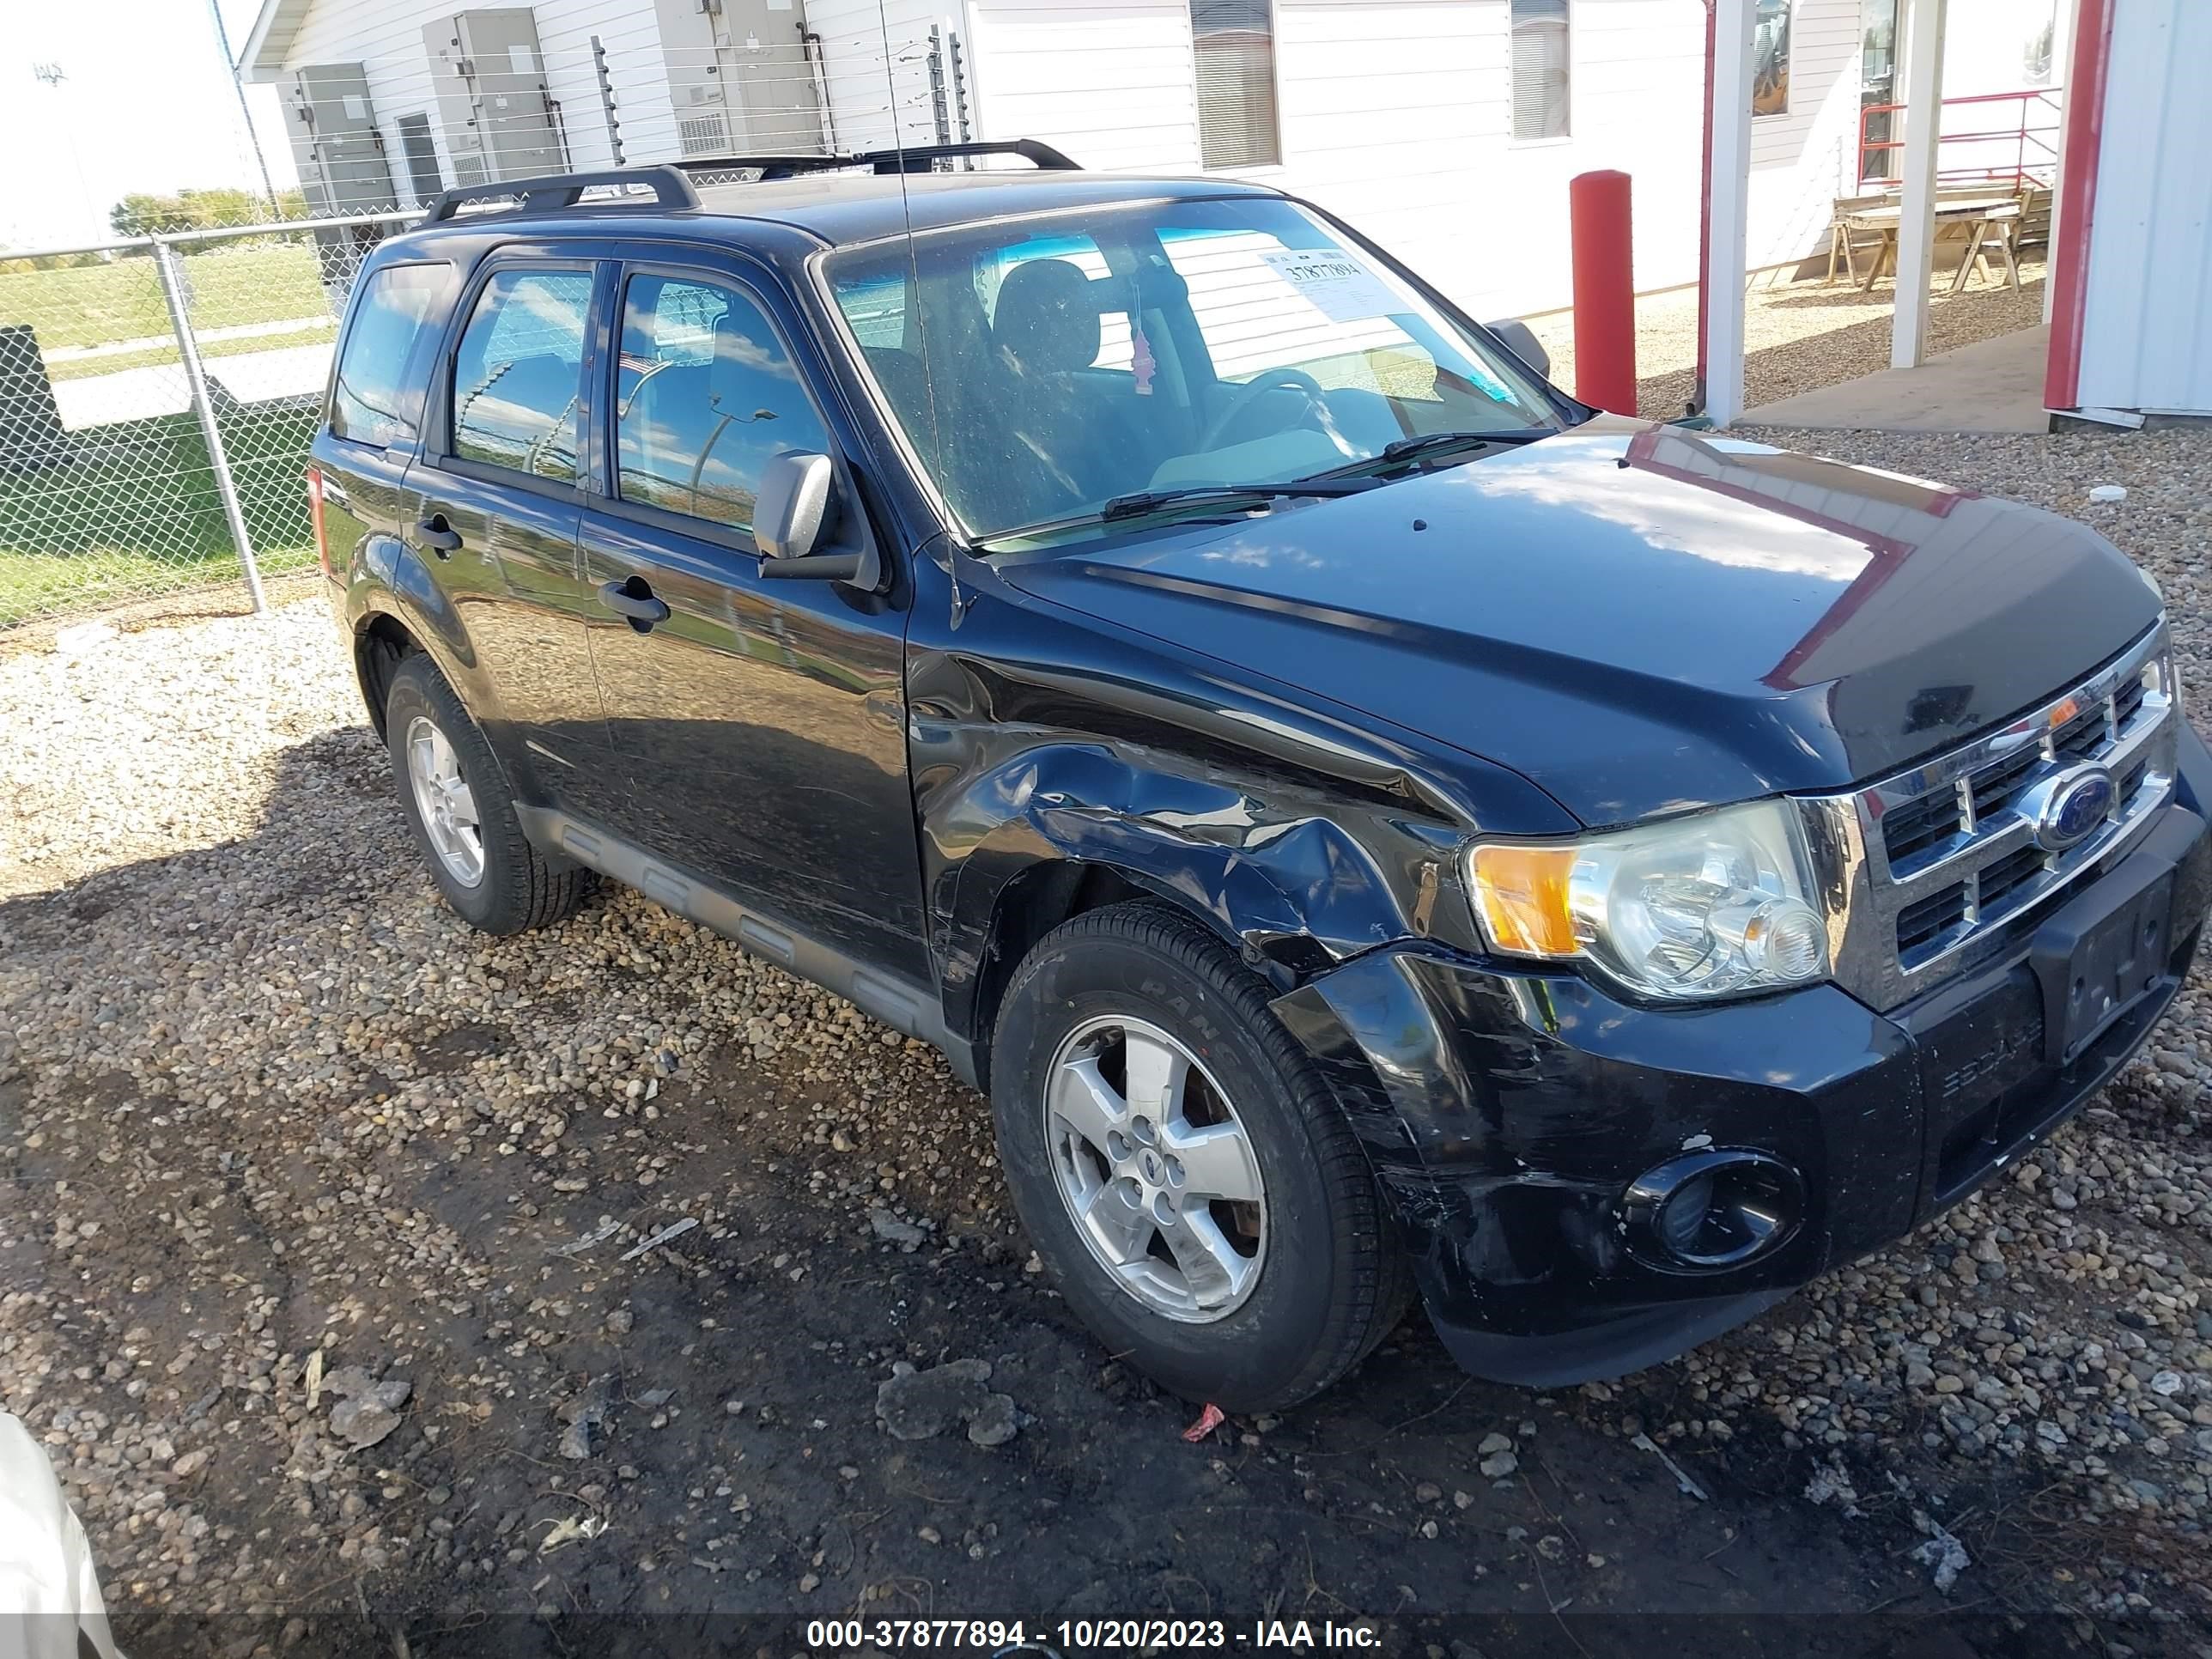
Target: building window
(1234,44)
(1770,59)
(1541,79)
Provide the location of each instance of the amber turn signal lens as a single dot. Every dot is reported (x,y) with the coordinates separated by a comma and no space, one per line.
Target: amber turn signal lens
(1521,894)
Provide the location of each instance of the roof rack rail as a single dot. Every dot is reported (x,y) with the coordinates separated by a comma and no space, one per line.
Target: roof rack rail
(919,158)
(913,158)
(768,166)
(671,190)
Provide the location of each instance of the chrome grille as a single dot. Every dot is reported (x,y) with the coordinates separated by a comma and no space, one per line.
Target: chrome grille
(1938,859)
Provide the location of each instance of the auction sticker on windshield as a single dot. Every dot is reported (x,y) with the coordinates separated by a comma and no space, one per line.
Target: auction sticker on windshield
(1340,287)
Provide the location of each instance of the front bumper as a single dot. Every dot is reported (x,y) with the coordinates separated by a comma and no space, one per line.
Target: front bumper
(1506,1112)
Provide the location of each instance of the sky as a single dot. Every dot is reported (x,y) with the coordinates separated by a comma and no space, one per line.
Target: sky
(145,104)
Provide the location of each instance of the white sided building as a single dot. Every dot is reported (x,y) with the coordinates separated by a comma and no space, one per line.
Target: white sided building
(1446,129)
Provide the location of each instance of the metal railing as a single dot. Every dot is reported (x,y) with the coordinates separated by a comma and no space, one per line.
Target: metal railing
(2019,154)
(157,397)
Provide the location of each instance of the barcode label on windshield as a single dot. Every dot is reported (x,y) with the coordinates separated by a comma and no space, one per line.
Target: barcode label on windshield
(1340,287)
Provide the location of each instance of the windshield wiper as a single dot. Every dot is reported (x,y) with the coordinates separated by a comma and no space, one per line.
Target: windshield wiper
(1405,451)
(1239,498)
(1151,501)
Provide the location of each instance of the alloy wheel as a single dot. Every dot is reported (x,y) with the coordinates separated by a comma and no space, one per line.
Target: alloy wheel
(1156,1169)
(447,803)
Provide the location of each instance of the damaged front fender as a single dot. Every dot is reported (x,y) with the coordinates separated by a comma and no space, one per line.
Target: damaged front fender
(1302,835)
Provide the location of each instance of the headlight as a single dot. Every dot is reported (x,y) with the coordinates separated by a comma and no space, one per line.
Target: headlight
(1719,904)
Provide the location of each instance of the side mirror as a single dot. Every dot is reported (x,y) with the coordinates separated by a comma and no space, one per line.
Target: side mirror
(792,506)
(1518,338)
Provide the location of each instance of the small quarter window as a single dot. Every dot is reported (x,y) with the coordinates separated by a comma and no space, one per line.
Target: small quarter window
(370,403)
(518,375)
(706,394)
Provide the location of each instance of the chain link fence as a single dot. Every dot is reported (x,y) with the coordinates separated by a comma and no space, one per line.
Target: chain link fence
(157,397)
(158,394)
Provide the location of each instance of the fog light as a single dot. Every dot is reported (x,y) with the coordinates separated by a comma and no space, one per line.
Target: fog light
(1681,1223)
(1710,1210)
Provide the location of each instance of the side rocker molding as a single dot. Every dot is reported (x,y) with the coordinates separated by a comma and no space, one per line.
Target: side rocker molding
(902,1003)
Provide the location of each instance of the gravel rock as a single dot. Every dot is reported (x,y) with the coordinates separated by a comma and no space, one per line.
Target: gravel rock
(889,1228)
(362,1421)
(585,1412)
(262,1095)
(915,1405)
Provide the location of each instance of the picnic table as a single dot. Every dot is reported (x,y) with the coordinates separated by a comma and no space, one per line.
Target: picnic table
(1995,216)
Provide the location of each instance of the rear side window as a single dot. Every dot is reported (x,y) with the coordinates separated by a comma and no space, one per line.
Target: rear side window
(518,375)
(369,403)
(705,395)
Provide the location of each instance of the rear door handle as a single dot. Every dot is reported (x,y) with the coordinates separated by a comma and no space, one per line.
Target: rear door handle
(633,597)
(439,536)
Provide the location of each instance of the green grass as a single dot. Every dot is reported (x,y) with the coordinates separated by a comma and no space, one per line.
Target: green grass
(91,305)
(137,514)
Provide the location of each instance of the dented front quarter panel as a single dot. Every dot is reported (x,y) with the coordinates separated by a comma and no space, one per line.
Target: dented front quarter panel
(1306,834)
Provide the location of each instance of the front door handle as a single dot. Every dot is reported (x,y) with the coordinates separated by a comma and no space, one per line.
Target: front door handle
(633,597)
(439,536)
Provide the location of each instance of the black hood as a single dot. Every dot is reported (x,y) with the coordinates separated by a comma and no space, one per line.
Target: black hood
(1639,618)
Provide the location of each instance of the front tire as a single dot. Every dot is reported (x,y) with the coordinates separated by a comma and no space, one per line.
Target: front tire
(1188,1180)
(461,812)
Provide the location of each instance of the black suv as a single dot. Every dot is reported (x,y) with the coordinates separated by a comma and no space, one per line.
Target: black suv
(1368,822)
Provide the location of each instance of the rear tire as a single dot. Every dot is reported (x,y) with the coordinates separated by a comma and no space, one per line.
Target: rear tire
(1188,1180)
(461,812)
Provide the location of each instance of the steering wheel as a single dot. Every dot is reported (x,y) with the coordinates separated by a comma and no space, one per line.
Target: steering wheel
(1276,380)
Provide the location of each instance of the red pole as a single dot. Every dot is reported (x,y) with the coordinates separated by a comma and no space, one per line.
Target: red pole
(1605,292)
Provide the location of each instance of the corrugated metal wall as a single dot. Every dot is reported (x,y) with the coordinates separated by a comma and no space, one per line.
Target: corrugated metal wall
(2147,331)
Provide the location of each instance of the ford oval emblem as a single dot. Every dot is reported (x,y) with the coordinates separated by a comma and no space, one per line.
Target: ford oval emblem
(2067,809)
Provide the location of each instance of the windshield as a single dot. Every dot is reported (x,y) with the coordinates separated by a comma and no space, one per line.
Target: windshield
(1043,367)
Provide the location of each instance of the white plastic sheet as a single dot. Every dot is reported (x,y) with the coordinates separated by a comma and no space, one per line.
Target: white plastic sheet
(49,1591)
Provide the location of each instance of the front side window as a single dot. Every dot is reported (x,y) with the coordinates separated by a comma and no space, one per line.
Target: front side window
(1040,373)
(1770,59)
(706,394)
(518,375)
(369,398)
(1233,44)
(1542,76)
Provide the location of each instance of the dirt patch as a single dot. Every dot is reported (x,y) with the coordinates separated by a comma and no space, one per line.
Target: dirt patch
(268,1111)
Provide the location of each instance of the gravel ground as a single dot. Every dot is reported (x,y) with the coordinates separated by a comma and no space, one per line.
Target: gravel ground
(321,1281)
(1797,335)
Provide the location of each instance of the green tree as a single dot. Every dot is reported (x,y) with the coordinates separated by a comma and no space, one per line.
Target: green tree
(142,213)
(213,209)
